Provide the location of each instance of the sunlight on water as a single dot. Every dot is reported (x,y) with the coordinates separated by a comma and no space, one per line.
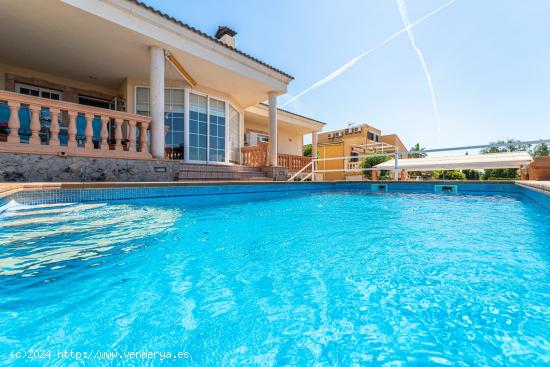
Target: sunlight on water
(43,236)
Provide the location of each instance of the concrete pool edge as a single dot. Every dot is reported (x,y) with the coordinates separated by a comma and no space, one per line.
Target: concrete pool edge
(540,186)
(34,193)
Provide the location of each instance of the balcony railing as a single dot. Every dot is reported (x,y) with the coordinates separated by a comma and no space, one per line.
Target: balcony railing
(353,166)
(39,125)
(293,162)
(257,156)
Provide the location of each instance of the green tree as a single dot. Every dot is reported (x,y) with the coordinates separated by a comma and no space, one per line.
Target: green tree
(510,145)
(307,150)
(371,161)
(417,148)
(423,174)
(541,150)
(449,175)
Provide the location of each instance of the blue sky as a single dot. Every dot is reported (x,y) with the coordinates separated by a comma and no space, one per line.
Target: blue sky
(489,61)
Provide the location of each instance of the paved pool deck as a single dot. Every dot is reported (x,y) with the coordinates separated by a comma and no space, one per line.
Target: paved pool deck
(542,186)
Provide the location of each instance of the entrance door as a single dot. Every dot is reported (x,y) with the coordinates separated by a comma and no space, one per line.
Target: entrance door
(174,109)
(198,128)
(207,129)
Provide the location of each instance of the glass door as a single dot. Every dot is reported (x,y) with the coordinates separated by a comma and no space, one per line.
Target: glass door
(206,129)
(216,131)
(174,122)
(174,111)
(198,128)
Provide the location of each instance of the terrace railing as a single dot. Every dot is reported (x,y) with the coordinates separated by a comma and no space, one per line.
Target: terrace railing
(257,156)
(353,166)
(38,125)
(293,162)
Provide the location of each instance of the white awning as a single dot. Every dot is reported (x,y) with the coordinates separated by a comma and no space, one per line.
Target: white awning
(478,161)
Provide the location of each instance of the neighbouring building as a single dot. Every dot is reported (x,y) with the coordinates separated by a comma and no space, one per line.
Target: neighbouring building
(353,141)
(117,90)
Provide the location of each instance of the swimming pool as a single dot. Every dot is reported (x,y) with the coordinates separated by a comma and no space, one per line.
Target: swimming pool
(307,275)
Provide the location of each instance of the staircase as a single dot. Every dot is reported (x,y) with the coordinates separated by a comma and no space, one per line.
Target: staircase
(207,172)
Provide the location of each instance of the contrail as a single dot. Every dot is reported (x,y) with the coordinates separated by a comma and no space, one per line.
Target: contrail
(405,19)
(349,64)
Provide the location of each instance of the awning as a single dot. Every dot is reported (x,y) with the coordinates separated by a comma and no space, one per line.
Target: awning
(478,161)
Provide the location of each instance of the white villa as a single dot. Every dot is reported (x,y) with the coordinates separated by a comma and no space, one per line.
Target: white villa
(119,80)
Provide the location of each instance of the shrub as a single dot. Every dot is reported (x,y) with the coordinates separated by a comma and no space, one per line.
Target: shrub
(501,174)
(370,162)
(307,150)
(449,175)
(472,174)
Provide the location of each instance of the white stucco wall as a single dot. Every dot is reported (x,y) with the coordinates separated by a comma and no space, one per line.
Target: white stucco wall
(290,142)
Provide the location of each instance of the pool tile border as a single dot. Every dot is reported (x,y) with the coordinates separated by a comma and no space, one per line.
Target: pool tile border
(48,193)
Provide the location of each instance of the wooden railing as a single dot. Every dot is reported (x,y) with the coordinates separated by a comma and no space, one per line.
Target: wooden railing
(257,156)
(293,162)
(40,125)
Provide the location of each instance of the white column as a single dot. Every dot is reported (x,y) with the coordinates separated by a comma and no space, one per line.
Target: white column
(186,125)
(313,152)
(314,144)
(156,95)
(273,129)
(396,170)
(226,132)
(241,135)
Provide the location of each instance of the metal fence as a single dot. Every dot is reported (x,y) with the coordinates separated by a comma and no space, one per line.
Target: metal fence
(312,171)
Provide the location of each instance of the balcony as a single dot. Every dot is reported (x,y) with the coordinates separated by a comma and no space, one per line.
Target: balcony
(45,126)
(257,156)
(353,166)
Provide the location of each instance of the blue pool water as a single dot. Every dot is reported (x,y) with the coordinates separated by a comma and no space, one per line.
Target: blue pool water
(300,279)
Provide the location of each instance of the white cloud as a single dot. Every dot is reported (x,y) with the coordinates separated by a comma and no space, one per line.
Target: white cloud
(405,20)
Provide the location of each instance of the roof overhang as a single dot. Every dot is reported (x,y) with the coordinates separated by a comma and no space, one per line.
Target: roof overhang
(109,40)
(479,161)
(304,124)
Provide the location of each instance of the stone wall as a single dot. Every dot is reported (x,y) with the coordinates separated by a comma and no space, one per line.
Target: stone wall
(17,167)
(277,173)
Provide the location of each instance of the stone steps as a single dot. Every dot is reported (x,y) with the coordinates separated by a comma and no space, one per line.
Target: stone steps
(221,172)
(218,168)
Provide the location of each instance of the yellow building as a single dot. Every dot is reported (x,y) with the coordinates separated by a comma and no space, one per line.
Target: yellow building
(353,141)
